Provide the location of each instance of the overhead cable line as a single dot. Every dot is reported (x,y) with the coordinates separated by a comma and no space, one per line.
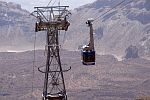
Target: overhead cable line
(33,68)
(110,9)
(127,3)
(49,3)
(54,2)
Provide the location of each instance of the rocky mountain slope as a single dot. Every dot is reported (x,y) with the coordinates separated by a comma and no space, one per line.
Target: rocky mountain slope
(125,30)
(16,28)
(127,25)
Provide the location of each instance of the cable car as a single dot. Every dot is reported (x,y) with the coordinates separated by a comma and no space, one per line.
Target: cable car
(88,57)
(88,52)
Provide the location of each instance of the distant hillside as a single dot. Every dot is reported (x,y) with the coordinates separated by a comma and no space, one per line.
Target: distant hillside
(123,31)
(16,28)
(126,26)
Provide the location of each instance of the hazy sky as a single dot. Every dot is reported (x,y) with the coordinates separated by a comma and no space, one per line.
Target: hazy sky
(29,4)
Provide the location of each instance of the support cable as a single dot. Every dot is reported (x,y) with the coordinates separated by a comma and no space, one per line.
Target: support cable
(64,38)
(33,68)
(49,3)
(127,4)
(110,10)
(54,2)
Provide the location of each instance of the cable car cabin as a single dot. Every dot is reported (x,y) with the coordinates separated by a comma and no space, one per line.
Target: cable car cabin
(88,52)
(88,57)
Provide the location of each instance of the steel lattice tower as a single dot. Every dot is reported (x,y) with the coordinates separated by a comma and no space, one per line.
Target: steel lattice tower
(53,19)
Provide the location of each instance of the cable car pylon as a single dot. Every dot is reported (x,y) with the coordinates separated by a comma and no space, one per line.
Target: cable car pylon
(52,19)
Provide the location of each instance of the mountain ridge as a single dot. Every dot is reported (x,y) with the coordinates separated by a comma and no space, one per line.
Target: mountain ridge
(16,28)
(115,32)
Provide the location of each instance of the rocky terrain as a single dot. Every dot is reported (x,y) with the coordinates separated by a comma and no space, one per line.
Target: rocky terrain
(109,79)
(126,26)
(122,43)
(16,28)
